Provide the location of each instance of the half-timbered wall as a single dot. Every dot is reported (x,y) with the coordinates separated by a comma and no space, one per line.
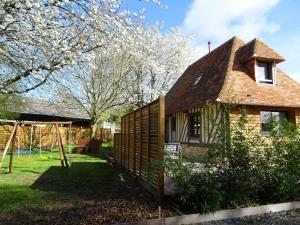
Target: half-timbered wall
(211,122)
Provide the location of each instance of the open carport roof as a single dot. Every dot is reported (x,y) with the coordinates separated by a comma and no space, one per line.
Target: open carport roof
(40,107)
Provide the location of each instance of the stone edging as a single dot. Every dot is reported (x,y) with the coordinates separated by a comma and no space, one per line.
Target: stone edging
(219,215)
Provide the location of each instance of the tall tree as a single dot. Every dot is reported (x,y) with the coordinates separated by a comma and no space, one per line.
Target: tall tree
(40,37)
(125,72)
(98,86)
(161,59)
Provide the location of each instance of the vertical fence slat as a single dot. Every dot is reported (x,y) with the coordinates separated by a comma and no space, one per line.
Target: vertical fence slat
(134,140)
(141,127)
(148,140)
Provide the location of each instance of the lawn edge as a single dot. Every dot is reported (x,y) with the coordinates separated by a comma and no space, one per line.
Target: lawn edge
(220,215)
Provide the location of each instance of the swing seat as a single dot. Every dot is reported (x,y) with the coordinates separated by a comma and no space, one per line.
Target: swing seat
(44,157)
(23,159)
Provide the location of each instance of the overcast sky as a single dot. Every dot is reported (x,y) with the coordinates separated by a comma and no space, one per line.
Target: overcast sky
(276,22)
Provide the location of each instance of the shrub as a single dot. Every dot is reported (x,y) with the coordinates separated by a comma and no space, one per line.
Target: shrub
(284,162)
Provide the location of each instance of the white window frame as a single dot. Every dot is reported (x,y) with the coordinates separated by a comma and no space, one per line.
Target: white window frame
(274,72)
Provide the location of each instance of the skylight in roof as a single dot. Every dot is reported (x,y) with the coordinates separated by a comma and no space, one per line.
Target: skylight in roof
(199,77)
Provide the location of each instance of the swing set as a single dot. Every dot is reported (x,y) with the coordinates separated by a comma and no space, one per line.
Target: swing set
(16,133)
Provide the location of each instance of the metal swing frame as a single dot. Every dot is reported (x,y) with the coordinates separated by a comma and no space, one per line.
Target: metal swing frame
(12,139)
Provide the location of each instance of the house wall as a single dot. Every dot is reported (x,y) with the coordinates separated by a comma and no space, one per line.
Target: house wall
(210,115)
(254,115)
(211,121)
(177,135)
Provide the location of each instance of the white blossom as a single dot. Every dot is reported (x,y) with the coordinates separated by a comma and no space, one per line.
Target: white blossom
(49,34)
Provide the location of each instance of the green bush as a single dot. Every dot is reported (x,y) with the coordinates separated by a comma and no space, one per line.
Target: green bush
(243,169)
(284,162)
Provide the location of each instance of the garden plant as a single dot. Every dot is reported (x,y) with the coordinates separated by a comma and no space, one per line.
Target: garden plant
(243,169)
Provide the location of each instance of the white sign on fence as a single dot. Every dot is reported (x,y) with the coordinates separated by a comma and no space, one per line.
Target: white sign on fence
(172,150)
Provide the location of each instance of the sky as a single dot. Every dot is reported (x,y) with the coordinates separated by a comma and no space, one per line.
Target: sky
(276,22)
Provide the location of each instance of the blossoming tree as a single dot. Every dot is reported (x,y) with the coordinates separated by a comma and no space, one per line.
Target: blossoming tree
(38,38)
(125,72)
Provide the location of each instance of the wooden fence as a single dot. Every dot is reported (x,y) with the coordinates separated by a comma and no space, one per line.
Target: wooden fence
(46,135)
(141,142)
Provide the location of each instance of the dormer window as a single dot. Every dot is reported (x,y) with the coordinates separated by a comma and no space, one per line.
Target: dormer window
(265,72)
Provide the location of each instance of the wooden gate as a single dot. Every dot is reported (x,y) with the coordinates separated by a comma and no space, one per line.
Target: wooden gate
(141,142)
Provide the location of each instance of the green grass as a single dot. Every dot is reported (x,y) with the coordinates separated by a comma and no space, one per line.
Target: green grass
(107,148)
(42,182)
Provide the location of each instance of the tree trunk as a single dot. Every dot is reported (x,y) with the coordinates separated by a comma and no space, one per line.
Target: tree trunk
(93,130)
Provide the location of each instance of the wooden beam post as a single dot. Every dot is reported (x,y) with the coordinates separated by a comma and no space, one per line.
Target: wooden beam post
(63,158)
(122,141)
(134,151)
(44,123)
(148,140)
(12,150)
(13,132)
(161,145)
(127,142)
(59,145)
(140,145)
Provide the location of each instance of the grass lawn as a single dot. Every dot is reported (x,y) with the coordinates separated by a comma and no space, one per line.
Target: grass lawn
(39,191)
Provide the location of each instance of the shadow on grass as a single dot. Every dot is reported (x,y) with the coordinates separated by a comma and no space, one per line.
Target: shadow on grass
(87,192)
(89,180)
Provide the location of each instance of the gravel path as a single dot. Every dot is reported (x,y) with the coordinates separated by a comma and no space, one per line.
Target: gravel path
(291,217)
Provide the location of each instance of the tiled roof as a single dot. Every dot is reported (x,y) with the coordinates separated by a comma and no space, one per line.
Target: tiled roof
(227,78)
(259,50)
(46,108)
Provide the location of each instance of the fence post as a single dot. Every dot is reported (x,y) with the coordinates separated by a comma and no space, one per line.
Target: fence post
(148,140)
(134,126)
(140,150)
(127,141)
(122,141)
(161,142)
(114,147)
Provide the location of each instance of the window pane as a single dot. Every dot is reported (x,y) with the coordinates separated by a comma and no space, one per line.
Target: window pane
(266,119)
(269,72)
(265,127)
(265,116)
(275,116)
(264,71)
(195,125)
(282,116)
(173,123)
